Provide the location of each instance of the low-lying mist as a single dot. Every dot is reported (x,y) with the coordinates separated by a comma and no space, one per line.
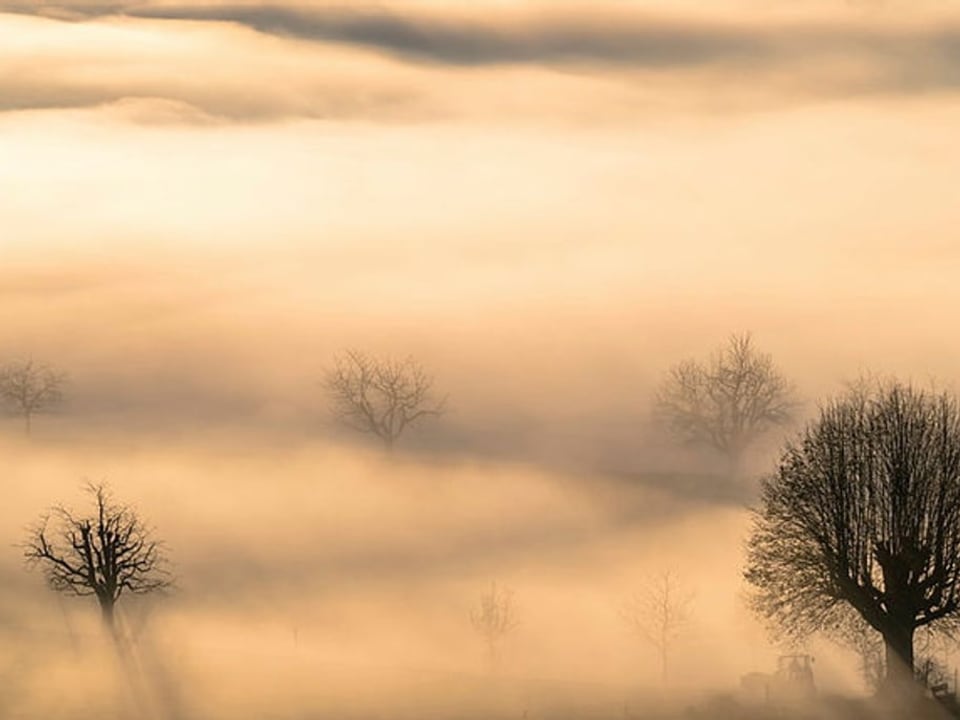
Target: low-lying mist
(564,381)
(314,579)
(317,577)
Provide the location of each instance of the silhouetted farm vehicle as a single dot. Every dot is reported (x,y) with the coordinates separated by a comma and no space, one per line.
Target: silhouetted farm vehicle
(945,693)
(791,683)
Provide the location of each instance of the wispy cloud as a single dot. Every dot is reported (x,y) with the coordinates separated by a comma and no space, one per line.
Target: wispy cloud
(453,41)
(170,102)
(266,62)
(628,40)
(158,74)
(65,9)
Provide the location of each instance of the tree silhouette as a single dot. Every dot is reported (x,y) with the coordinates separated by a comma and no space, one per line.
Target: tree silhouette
(382,397)
(494,618)
(29,388)
(728,402)
(103,554)
(863,514)
(659,613)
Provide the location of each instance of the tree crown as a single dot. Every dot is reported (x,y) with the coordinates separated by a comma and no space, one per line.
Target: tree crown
(863,514)
(105,553)
(378,396)
(30,387)
(727,402)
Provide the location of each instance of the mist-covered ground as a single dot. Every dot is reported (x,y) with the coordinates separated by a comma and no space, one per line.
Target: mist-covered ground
(315,580)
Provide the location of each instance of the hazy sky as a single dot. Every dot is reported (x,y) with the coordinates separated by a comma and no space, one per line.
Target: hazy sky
(548,202)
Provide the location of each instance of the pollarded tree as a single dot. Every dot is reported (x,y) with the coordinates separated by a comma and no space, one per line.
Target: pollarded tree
(103,554)
(728,402)
(380,396)
(863,515)
(29,388)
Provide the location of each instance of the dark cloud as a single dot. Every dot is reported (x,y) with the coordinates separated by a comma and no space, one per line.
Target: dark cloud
(773,63)
(911,56)
(655,44)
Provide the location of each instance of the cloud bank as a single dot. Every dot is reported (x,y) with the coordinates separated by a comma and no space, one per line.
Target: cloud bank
(254,63)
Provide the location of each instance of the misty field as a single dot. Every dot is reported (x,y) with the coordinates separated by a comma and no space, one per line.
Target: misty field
(315,579)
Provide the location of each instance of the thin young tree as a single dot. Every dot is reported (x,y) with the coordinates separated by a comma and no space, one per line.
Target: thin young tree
(494,619)
(854,633)
(29,387)
(728,402)
(659,613)
(863,516)
(930,667)
(104,553)
(383,397)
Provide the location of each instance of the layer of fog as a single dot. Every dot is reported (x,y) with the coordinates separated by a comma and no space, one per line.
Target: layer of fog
(318,580)
(189,279)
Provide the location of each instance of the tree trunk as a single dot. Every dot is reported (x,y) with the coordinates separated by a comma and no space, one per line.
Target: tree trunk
(108,616)
(898,642)
(493,657)
(28,423)
(734,457)
(663,665)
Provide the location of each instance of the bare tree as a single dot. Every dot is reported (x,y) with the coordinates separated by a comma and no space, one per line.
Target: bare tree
(381,397)
(494,618)
(863,515)
(659,613)
(930,668)
(728,402)
(29,388)
(103,554)
(867,643)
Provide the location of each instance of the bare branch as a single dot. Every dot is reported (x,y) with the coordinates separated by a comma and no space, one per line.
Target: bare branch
(494,618)
(727,402)
(863,517)
(28,388)
(381,397)
(659,613)
(104,554)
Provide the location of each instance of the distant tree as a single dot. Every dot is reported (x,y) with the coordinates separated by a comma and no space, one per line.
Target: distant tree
(380,396)
(103,554)
(933,649)
(494,618)
(728,402)
(659,613)
(867,643)
(863,516)
(28,388)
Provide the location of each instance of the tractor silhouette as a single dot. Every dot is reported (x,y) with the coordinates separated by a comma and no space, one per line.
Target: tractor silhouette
(791,683)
